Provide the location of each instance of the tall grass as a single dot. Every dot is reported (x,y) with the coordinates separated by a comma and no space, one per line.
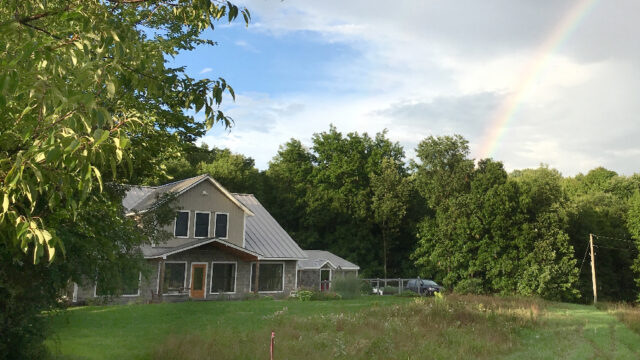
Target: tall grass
(627,313)
(454,327)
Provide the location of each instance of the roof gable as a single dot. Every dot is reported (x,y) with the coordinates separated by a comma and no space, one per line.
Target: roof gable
(140,199)
(318,258)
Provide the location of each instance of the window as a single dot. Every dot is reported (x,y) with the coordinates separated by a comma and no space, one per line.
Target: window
(223,278)
(202,225)
(175,277)
(222,224)
(181,228)
(128,284)
(271,277)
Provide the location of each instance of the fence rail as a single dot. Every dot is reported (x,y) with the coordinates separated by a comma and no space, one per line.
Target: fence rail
(377,284)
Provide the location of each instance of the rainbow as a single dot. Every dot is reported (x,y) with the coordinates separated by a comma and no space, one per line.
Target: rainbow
(509,107)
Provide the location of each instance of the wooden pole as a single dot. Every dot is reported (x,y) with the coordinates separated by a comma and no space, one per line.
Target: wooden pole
(593,270)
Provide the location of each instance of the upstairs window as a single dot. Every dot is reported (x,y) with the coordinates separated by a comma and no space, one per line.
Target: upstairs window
(202,225)
(222,225)
(181,228)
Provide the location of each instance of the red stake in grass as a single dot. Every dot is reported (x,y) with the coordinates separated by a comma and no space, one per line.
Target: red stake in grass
(273,335)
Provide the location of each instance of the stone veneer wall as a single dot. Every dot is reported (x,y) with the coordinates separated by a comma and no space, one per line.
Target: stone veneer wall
(204,254)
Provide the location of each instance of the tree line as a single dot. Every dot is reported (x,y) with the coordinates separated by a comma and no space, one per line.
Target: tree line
(470,225)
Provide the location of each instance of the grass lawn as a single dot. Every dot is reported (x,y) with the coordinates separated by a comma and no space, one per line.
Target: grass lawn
(458,327)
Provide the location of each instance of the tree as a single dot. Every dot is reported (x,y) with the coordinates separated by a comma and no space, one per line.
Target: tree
(236,172)
(86,93)
(390,195)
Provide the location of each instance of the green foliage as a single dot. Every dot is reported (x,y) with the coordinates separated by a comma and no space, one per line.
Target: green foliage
(390,290)
(407,293)
(469,286)
(85,89)
(325,296)
(507,234)
(87,96)
(347,288)
(305,295)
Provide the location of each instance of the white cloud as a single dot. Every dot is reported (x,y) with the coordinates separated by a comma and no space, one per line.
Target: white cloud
(431,68)
(206,70)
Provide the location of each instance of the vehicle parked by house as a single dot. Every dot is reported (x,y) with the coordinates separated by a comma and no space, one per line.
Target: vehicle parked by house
(423,286)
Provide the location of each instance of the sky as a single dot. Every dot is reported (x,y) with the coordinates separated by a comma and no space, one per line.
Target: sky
(526,82)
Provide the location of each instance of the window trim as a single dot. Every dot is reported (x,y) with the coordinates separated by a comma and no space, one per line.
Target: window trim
(184,286)
(206,269)
(235,277)
(267,263)
(175,224)
(195,221)
(95,289)
(216,224)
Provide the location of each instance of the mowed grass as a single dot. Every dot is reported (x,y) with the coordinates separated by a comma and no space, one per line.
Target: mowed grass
(372,327)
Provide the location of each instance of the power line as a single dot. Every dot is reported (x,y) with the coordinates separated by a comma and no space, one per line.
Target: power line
(611,247)
(614,238)
(584,258)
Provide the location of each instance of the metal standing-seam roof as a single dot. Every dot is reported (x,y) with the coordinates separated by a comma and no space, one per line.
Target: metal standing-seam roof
(317,258)
(142,198)
(264,235)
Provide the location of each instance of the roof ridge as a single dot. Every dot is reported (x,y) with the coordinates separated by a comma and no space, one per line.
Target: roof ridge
(179,181)
(243,194)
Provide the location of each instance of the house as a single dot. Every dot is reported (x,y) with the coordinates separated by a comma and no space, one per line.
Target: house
(223,245)
(321,267)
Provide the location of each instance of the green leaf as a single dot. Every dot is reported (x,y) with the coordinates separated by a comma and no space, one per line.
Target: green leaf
(5,203)
(98,176)
(111,88)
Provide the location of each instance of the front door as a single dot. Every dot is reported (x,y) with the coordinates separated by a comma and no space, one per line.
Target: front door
(325,279)
(197,280)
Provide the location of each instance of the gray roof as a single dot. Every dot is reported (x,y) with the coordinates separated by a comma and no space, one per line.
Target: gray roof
(264,235)
(317,258)
(141,198)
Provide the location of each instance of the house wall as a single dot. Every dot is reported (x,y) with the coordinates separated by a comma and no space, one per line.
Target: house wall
(215,201)
(204,254)
(310,279)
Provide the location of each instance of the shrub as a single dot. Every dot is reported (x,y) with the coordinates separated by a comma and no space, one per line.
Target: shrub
(407,293)
(325,295)
(305,295)
(469,286)
(389,290)
(366,288)
(347,288)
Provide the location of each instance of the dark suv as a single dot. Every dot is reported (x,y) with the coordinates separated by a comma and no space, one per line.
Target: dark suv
(423,287)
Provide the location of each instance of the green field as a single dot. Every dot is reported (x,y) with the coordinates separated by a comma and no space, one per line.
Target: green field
(457,327)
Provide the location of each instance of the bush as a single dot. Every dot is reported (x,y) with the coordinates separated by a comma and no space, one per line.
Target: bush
(305,295)
(366,288)
(469,286)
(389,290)
(347,288)
(325,295)
(408,293)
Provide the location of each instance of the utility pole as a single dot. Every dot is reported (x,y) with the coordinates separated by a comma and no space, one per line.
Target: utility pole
(593,270)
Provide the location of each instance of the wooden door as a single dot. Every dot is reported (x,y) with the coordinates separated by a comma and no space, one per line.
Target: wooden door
(198,276)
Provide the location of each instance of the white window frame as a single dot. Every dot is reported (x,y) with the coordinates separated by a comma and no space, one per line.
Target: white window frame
(206,269)
(216,223)
(267,263)
(195,221)
(95,289)
(184,286)
(322,268)
(175,224)
(235,277)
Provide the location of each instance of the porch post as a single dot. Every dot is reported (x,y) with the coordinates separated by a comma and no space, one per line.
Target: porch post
(160,280)
(257,276)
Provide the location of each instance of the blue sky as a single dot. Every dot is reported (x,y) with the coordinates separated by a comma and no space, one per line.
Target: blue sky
(431,68)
